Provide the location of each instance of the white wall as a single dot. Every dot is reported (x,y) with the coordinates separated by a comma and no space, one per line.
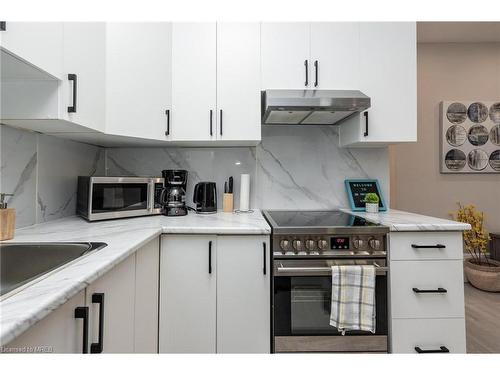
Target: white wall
(447,71)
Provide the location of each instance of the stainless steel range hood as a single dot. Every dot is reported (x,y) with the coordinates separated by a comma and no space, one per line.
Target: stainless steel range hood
(311,107)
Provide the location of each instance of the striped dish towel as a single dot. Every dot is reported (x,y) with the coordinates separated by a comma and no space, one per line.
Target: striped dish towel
(353,298)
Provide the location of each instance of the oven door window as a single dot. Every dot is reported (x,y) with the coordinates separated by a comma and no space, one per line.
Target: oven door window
(119,197)
(310,304)
(302,306)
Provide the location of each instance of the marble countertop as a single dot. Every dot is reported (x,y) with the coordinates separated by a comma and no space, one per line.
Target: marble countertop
(123,237)
(401,221)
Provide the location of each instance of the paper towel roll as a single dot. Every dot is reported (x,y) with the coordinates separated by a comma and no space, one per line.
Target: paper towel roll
(244,192)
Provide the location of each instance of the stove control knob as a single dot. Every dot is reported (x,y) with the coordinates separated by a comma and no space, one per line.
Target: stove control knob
(358,243)
(322,244)
(310,245)
(285,245)
(374,244)
(297,245)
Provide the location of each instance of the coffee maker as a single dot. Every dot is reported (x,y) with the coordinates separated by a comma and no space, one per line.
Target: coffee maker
(173,196)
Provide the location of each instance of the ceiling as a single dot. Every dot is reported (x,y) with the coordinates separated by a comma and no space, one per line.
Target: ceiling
(458,32)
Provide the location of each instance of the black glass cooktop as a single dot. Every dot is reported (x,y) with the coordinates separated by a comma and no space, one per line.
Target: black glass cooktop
(306,219)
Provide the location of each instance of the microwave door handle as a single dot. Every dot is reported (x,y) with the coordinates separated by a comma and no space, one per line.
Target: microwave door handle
(151,187)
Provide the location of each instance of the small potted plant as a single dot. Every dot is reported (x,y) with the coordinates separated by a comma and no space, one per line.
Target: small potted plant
(482,272)
(371,202)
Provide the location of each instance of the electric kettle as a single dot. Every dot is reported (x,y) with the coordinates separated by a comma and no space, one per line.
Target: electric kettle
(205,197)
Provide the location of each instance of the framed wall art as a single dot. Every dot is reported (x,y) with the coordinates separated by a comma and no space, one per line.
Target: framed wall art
(470,136)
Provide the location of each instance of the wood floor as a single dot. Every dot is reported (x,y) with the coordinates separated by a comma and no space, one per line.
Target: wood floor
(482,313)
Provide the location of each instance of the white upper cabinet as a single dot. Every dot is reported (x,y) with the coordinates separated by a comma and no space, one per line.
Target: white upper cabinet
(39,43)
(83,62)
(193,110)
(138,78)
(285,49)
(335,55)
(238,81)
(388,75)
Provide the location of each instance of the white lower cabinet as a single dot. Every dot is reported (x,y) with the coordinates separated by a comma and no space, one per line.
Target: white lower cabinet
(427,289)
(243,276)
(424,335)
(147,274)
(214,294)
(427,292)
(187,294)
(117,288)
(121,309)
(58,332)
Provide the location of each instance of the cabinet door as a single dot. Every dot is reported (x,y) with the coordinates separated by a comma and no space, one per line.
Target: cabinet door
(335,55)
(188,294)
(84,55)
(59,332)
(193,114)
(243,312)
(238,81)
(285,52)
(118,286)
(428,334)
(388,71)
(39,43)
(138,78)
(147,273)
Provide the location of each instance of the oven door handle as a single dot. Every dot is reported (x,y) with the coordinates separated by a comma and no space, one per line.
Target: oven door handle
(291,270)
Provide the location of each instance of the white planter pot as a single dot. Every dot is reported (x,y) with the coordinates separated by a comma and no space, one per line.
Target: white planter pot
(372,208)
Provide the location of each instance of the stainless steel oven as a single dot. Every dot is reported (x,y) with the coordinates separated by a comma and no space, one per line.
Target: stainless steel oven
(305,245)
(101,198)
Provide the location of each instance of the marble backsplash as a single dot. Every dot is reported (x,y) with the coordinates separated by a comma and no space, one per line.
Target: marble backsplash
(293,167)
(41,171)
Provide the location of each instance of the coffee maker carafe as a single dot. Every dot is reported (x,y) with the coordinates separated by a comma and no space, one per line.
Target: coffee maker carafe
(173,196)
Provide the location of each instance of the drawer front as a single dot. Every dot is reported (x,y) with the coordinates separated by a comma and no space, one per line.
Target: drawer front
(427,300)
(428,335)
(426,245)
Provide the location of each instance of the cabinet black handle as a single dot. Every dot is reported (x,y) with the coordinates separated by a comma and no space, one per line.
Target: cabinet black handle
(97,347)
(167,112)
(221,122)
(442,349)
(265,260)
(82,312)
(366,123)
(306,64)
(72,77)
(438,246)
(438,290)
(3,25)
(209,256)
(211,131)
(316,68)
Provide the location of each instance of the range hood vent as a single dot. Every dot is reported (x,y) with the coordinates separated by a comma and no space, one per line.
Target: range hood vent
(311,107)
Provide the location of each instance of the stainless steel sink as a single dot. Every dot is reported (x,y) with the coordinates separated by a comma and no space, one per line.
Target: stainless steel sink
(21,263)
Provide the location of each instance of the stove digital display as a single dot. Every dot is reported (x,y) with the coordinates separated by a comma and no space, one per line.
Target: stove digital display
(339,243)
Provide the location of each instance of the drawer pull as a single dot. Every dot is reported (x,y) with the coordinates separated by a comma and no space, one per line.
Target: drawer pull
(82,312)
(438,246)
(438,290)
(442,349)
(97,347)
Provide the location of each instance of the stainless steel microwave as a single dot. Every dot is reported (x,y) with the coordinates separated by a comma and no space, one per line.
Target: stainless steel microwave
(101,198)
